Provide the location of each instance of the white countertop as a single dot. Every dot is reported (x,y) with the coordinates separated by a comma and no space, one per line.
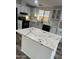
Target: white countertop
(47,39)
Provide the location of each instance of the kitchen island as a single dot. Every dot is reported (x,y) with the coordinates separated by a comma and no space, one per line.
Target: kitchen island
(38,44)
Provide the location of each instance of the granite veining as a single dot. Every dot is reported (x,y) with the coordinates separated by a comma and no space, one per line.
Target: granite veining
(47,39)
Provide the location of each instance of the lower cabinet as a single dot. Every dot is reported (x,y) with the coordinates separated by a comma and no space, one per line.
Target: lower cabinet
(35,50)
(23,24)
(59,31)
(53,30)
(36,25)
(19,24)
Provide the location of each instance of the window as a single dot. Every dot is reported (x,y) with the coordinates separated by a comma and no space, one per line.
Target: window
(43,15)
(40,15)
(46,16)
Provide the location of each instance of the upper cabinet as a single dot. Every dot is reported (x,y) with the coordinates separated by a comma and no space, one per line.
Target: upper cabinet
(56,14)
(27,10)
(60,25)
(18,7)
(23,8)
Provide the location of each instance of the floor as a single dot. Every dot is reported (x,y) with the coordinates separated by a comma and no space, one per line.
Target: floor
(21,55)
(59,52)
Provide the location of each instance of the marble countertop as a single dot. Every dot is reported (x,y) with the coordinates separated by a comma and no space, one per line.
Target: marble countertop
(47,39)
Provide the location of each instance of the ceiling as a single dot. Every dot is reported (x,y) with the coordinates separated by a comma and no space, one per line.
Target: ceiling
(44,3)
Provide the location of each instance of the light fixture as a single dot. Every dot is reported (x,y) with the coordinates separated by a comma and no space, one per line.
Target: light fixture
(36,1)
(35,15)
(27,17)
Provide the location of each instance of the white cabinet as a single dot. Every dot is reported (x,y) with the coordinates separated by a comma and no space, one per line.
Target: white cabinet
(53,30)
(22,8)
(36,25)
(56,14)
(18,7)
(19,24)
(25,9)
(31,24)
(59,31)
(34,50)
(37,44)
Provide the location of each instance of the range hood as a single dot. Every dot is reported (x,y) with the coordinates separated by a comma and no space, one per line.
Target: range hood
(23,13)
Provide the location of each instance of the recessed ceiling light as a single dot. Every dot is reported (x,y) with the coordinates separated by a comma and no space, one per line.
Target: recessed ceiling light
(36,1)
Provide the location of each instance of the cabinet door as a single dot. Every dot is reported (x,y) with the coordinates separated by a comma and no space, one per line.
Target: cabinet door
(27,10)
(59,32)
(22,9)
(54,14)
(31,24)
(35,50)
(38,25)
(18,7)
(53,30)
(58,14)
(19,24)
